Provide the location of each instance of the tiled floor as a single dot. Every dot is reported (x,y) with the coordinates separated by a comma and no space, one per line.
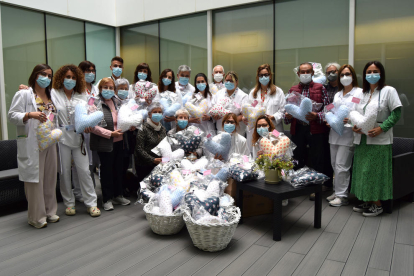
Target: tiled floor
(121,243)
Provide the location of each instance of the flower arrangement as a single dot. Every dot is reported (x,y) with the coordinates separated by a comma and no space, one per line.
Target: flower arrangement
(267,162)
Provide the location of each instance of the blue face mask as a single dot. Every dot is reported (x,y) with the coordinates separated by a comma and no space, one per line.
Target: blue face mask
(166,81)
(263,131)
(229,128)
(201,86)
(229,85)
(69,84)
(156,117)
(117,71)
(373,78)
(183,80)
(182,123)
(264,80)
(142,76)
(89,77)
(122,94)
(43,81)
(107,94)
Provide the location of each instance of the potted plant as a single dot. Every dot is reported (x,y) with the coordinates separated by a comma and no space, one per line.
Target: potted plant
(272,165)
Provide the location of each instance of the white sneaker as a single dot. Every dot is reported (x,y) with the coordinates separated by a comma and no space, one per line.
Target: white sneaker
(339,201)
(53,218)
(108,205)
(285,202)
(38,225)
(331,197)
(120,200)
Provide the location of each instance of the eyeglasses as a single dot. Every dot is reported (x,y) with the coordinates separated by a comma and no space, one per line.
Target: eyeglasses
(263,75)
(346,74)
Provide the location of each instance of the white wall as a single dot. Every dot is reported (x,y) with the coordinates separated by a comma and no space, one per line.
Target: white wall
(99,11)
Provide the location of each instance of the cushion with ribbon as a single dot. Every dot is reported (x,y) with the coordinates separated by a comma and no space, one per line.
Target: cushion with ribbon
(222,148)
(46,135)
(196,166)
(364,122)
(178,181)
(165,203)
(280,148)
(169,109)
(145,90)
(220,108)
(241,175)
(222,174)
(188,144)
(300,112)
(83,120)
(197,110)
(210,204)
(165,149)
(128,116)
(336,121)
(252,113)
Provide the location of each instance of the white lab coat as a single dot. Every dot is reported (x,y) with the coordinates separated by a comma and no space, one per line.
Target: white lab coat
(240,98)
(27,148)
(389,101)
(184,89)
(238,145)
(207,127)
(275,106)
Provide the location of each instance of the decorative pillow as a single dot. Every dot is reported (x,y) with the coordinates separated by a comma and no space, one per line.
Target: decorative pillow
(46,136)
(197,111)
(279,149)
(178,181)
(176,194)
(223,214)
(188,145)
(241,175)
(187,97)
(169,109)
(210,204)
(219,108)
(309,177)
(128,116)
(196,166)
(252,113)
(83,120)
(222,175)
(145,90)
(214,188)
(364,122)
(336,121)
(165,149)
(146,195)
(222,148)
(156,180)
(165,204)
(299,112)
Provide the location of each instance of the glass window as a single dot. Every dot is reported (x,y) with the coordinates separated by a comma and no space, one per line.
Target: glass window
(139,43)
(309,31)
(243,40)
(100,47)
(184,41)
(65,41)
(386,34)
(23,35)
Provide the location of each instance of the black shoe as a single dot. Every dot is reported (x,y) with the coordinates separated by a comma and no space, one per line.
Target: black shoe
(312,197)
(361,208)
(373,211)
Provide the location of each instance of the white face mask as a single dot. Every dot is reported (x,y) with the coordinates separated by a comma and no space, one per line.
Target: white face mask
(346,80)
(305,78)
(218,77)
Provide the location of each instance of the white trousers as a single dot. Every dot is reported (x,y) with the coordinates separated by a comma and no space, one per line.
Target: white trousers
(341,161)
(81,162)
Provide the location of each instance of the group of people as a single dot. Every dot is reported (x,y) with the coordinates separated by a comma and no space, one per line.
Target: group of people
(114,151)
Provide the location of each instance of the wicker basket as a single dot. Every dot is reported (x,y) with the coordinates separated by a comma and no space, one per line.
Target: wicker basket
(212,237)
(163,224)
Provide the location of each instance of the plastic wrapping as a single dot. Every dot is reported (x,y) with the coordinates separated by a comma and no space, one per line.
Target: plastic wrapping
(94,105)
(178,180)
(298,106)
(189,139)
(86,116)
(129,116)
(211,204)
(197,108)
(222,148)
(252,111)
(47,134)
(242,174)
(220,108)
(304,176)
(145,90)
(364,122)
(194,166)
(164,149)
(335,117)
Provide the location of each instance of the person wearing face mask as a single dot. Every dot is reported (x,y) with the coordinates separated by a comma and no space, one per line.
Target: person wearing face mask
(218,76)
(182,118)
(117,66)
(38,170)
(142,73)
(342,147)
(230,124)
(89,70)
(331,72)
(202,91)
(122,89)
(68,90)
(182,85)
(167,89)
(271,96)
(314,135)
(236,96)
(108,141)
(372,169)
(152,133)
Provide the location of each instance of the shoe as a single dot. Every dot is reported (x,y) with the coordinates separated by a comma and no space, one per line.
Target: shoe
(94,211)
(53,218)
(70,211)
(312,197)
(108,205)
(331,197)
(285,202)
(120,200)
(361,208)
(339,201)
(38,225)
(373,211)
